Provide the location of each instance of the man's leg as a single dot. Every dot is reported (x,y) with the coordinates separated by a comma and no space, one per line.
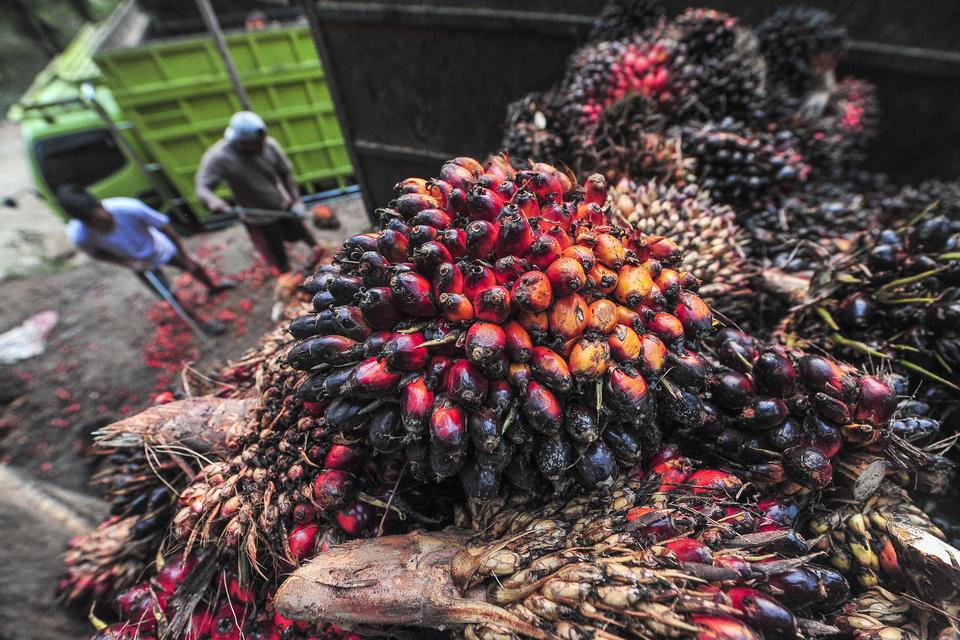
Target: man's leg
(162,289)
(196,270)
(268,240)
(296,231)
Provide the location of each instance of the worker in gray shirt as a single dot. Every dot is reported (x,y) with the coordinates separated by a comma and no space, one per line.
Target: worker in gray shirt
(260,177)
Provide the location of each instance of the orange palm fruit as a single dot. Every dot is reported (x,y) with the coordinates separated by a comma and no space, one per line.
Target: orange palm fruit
(589,358)
(624,344)
(569,317)
(668,281)
(653,354)
(633,285)
(603,278)
(551,369)
(532,292)
(603,316)
(566,276)
(519,375)
(609,250)
(666,250)
(583,255)
(629,317)
(455,307)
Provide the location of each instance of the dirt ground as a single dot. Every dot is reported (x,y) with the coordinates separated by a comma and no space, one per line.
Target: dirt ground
(113,348)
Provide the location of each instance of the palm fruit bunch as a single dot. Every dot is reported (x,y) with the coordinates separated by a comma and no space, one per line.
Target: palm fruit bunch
(144,461)
(532,128)
(675,550)
(623,18)
(741,166)
(879,613)
(802,46)
(193,597)
(712,241)
(906,203)
(785,416)
(895,302)
(502,325)
(853,533)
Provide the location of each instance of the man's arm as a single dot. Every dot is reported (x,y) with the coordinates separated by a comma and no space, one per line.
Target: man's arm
(208,178)
(285,170)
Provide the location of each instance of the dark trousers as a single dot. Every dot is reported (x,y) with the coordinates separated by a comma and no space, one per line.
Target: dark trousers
(269,239)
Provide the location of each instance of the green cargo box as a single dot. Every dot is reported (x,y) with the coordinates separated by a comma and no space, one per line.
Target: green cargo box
(177,95)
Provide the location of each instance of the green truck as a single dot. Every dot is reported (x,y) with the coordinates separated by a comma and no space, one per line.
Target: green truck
(123,112)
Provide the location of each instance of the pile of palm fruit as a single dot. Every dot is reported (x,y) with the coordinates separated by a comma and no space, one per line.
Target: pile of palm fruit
(590,402)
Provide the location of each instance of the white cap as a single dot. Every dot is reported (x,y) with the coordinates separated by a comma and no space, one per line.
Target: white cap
(245,125)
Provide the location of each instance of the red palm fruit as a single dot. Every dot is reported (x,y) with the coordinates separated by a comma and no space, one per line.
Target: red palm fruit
(303,513)
(430,255)
(456,176)
(737,350)
(404,353)
(411,294)
(477,278)
(348,321)
(518,341)
(411,185)
(824,436)
(718,627)
(653,354)
(484,428)
(603,278)
(301,541)
(774,373)
(355,246)
(344,288)
(672,473)
(877,401)
(379,312)
(509,268)
(665,326)
(628,391)
(355,518)
(534,322)
(555,215)
(603,316)
(633,285)
(609,250)
(569,317)
(483,204)
(228,623)
(370,379)
(561,236)
(624,344)
(592,214)
(527,202)
(543,251)
(499,165)
(583,255)
(447,279)
(435,218)
(566,276)
(455,240)
(823,375)
(330,350)
(435,376)
(797,587)
(499,397)
(668,282)
(485,342)
(375,270)
(416,405)
(595,189)
(519,375)
(541,409)
(419,235)
(410,204)
(763,413)
(690,550)
(468,163)
(448,427)
(694,315)
(492,305)
(174,571)
(343,456)
(772,472)
(481,239)
(714,481)
(777,510)
(515,235)
(331,488)
(589,358)
(731,389)
(665,250)
(532,292)
(466,383)
(549,368)
(506,189)
(455,307)
(393,245)
(441,191)
(808,466)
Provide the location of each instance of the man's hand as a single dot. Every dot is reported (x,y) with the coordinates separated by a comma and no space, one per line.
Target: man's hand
(298,210)
(216,204)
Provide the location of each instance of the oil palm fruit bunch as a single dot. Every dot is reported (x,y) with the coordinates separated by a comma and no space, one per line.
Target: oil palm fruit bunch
(533,129)
(623,18)
(896,302)
(853,533)
(741,166)
(784,416)
(802,46)
(144,460)
(879,613)
(504,328)
(906,203)
(712,241)
(673,551)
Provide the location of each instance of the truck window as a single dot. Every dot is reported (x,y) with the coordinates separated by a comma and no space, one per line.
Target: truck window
(79,158)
